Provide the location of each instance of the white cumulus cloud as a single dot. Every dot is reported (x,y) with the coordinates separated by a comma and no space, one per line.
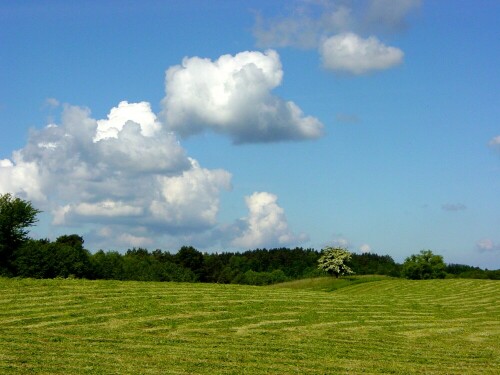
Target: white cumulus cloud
(266,224)
(347,52)
(125,173)
(232,96)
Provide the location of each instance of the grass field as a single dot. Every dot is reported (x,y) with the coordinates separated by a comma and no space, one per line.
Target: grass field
(384,326)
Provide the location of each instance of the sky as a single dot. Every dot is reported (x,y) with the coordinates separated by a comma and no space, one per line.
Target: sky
(232,125)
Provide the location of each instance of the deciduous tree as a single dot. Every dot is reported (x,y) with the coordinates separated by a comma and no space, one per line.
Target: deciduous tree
(333,260)
(16,216)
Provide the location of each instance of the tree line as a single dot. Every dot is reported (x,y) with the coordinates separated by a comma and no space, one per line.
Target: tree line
(66,257)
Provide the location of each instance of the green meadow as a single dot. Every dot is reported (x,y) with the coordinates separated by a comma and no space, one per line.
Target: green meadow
(321,326)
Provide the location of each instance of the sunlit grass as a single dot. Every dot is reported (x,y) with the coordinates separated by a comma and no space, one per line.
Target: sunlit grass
(386,326)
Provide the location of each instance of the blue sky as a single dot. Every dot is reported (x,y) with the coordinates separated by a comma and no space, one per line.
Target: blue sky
(232,125)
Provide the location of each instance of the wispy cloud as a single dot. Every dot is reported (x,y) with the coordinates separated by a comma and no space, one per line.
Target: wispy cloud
(389,15)
(337,30)
(347,118)
(51,103)
(453,207)
(305,25)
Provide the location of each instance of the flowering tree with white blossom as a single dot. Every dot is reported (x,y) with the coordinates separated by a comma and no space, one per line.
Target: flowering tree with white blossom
(333,260)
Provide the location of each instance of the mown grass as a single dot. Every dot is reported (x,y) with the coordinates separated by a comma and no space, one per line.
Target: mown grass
(330,284)
(389,326)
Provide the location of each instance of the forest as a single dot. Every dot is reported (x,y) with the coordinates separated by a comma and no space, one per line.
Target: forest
(66,257)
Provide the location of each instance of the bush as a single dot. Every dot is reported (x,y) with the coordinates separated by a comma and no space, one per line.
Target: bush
(425,265)
(262,278)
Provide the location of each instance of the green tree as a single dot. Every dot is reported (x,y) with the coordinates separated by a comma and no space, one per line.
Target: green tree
(192,259)
(424,265)
(45,259)
(333,260)
(16,216)
(107,265)
(73,240)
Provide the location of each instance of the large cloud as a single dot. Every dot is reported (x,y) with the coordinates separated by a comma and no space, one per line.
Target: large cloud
(125,174)
(232,96)
(350,53)
(266,224)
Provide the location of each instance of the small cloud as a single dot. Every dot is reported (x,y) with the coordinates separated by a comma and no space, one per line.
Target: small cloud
(51,103)
(452,207)
(352,54)
(494,143)
(347,118)
(341,242)
(365,248)
(487,244)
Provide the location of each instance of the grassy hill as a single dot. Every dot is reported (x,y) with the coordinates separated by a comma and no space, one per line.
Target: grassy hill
(384,326)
